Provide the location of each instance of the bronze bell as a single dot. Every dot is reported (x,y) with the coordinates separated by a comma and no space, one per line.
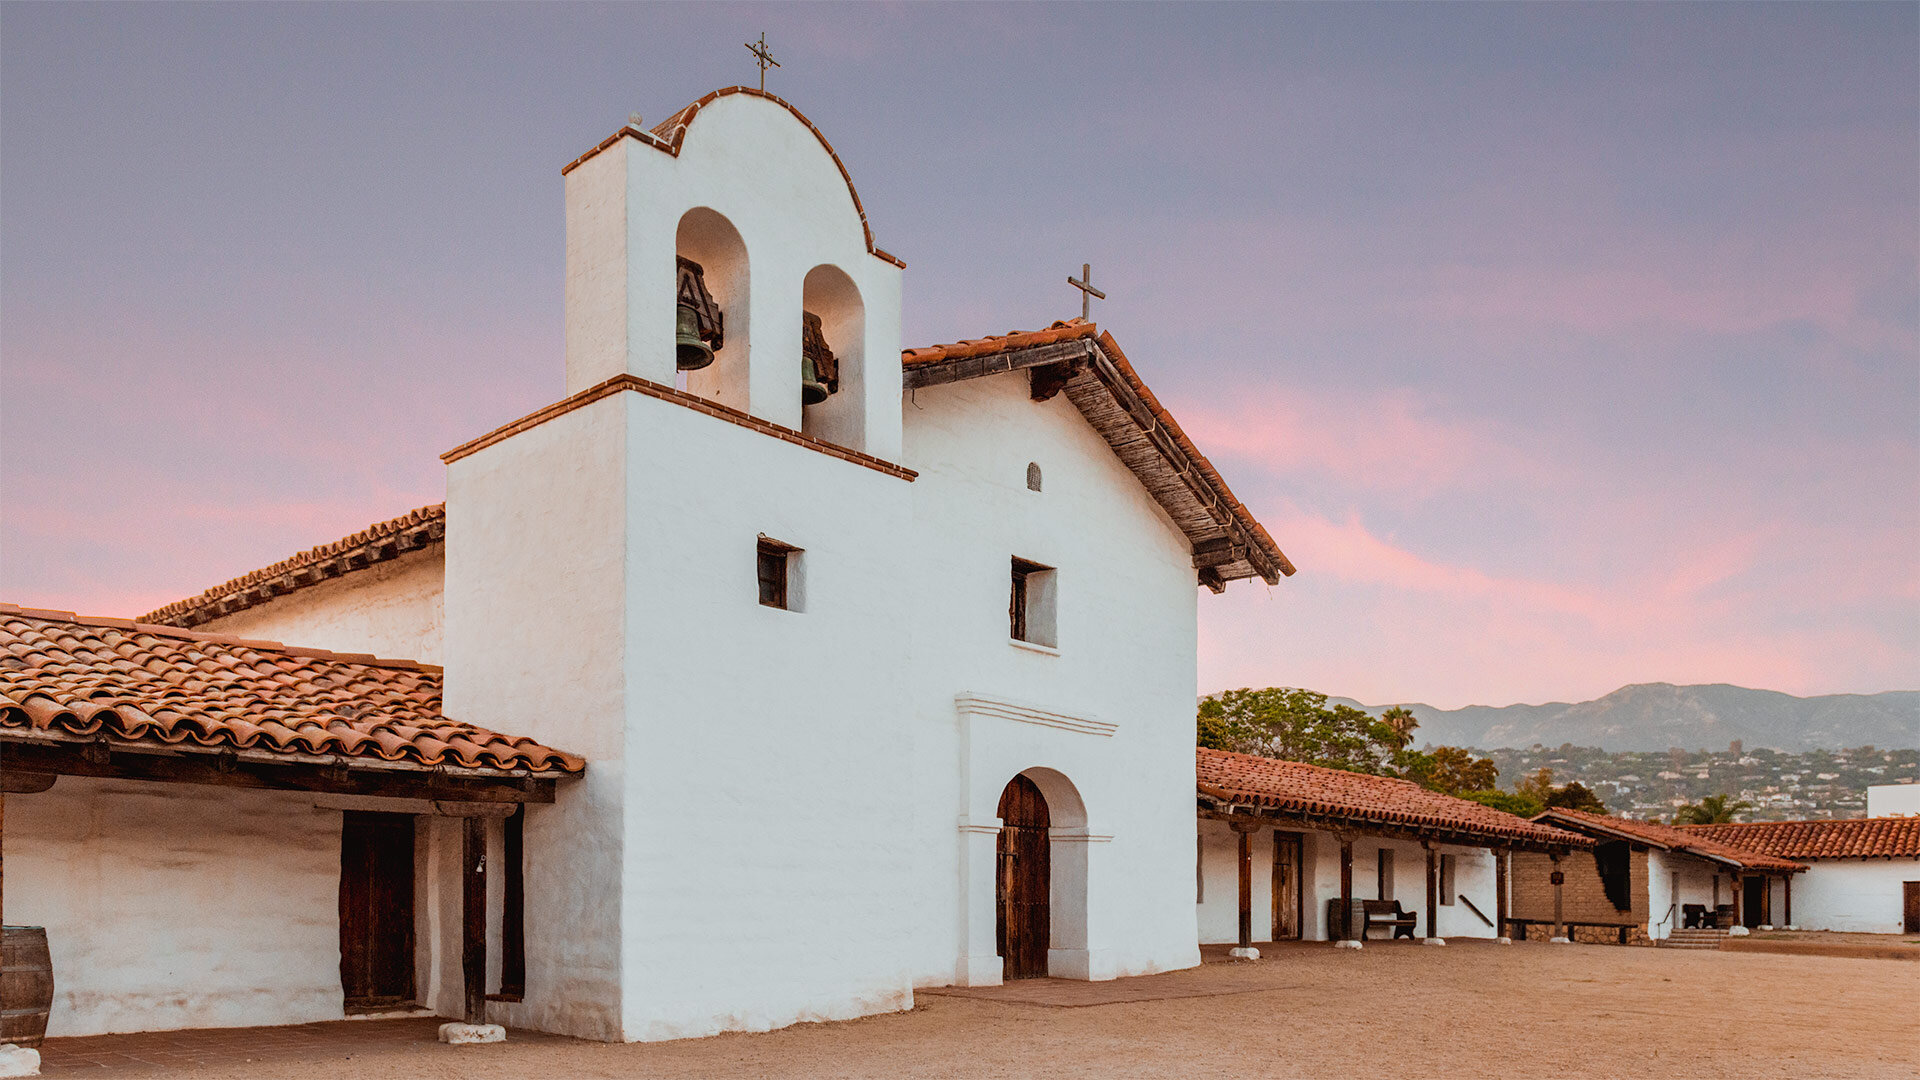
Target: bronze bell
(690,352)
(812,390)
(819,368)
(698,326)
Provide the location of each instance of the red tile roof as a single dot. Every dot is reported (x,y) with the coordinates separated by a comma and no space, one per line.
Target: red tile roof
(1065,330)
(1846,838)
(64,678)
(1665,836)
(1247,780)
(379,542)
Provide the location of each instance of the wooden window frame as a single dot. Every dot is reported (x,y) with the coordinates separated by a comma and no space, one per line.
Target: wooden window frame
(775,590)
(1020,602)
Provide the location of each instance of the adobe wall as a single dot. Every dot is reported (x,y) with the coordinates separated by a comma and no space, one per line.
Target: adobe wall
(1217,900)
(393,609)
(1583,895)
(1858,895)
(173,906)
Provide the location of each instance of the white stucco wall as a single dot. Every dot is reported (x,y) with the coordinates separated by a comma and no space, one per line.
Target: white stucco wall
(1219,906)
(392,609)
(1893,800)
(180,906)
(1856,895)
(1125,621)
(755,164)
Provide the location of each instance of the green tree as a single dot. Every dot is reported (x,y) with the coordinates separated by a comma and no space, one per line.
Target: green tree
(1296,725)
(1400,720)
(1576,796)
(1712,810)
(1521,805)
(1449,769)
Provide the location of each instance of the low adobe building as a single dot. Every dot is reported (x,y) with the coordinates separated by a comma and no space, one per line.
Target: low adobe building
(1642,881)
(1863,874)
(1286,847)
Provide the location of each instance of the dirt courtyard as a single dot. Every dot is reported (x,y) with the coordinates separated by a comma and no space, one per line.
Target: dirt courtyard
(1467,1010)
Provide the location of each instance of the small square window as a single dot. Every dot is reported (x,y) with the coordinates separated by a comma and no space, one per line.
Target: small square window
(778,566)
(1030,610)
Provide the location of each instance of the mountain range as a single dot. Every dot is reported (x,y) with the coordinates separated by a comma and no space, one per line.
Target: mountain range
(1660,716)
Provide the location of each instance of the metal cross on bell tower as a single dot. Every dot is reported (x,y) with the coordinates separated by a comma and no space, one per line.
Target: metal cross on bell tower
(1087,292)
(762,57)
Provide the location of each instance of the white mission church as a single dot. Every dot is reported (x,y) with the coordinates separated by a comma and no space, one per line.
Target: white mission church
(771,673)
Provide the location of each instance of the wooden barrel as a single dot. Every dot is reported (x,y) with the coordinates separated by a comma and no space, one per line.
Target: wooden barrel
(26,985)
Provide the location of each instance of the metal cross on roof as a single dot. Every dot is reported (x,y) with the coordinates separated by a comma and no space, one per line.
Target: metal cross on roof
(762,57)
(1087,292)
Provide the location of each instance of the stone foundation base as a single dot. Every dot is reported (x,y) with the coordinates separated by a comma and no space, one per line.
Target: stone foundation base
(18,1061)
(1346,943)
(1433,941)
(1738,931)
(1503,941)
(458,1034)
(1248,953)
(1560,941)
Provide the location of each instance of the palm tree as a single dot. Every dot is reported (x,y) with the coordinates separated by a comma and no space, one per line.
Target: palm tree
(1712,810)
(1400,719)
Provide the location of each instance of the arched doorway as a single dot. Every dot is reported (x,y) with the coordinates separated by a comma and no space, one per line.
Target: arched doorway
(1024,923)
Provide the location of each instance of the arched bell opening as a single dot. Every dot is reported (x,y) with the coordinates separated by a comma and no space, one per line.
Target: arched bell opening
(710,298)
(833,357)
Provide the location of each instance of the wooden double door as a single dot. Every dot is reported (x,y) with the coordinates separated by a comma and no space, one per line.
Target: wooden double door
(376,910)
(1023,923)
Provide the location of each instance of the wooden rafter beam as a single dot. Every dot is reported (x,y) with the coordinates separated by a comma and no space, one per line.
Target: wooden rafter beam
(973,367)
(120,762)
(1331,823)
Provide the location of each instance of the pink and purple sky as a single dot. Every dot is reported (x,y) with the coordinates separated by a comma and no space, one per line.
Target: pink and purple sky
(1561,347)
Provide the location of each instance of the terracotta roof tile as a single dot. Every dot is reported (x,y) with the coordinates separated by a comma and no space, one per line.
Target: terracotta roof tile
(1065,330)
(1846,838)
(65,677)
(1665,836)
(1246,779)
(379,542)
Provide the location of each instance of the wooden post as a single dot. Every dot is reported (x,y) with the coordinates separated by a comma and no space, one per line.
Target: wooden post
(3,858)
(1433,890)
(1501,859)
(1559,929)
(473,910)
(1346,887)
(1246,885)
(1786,913)
(1739,886)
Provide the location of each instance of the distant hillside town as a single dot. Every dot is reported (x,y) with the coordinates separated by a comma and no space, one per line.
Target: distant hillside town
(1780,786)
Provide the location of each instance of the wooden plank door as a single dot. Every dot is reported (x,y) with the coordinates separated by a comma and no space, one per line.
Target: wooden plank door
(1911,889)
(1025,880)
(1753,902)
(376,909)
(1287,897)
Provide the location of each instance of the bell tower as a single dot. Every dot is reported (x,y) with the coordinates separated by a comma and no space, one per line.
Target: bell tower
(691,572)
(729,243)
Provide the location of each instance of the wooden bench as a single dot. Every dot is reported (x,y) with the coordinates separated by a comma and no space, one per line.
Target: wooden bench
(1520,926)
(1387,913)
